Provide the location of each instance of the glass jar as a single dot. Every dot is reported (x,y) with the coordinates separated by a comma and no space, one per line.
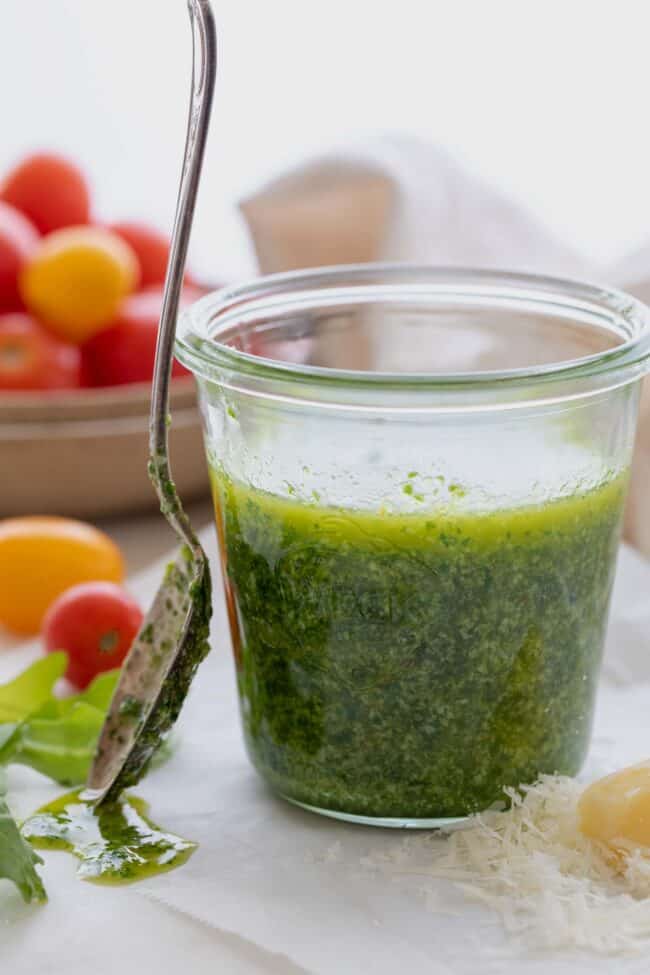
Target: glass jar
(419,476)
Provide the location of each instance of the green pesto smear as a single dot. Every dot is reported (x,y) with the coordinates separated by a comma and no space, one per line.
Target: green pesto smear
(116,843)
(412,665)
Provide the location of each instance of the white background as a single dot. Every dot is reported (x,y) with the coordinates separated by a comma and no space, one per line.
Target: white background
(548,99)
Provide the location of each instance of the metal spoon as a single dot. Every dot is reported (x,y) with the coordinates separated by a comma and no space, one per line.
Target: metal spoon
(174,636)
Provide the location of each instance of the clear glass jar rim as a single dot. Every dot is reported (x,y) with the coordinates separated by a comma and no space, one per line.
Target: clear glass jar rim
(198,346)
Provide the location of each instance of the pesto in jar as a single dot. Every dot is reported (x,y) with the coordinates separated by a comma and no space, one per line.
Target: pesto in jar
(412,665)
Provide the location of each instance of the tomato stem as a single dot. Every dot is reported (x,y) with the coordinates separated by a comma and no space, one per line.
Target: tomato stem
(108,641)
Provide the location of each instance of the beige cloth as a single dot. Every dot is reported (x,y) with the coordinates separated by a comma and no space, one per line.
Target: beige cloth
(403,200)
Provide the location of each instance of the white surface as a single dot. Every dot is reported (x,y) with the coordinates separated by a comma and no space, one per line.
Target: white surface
(547,100)
(277,891)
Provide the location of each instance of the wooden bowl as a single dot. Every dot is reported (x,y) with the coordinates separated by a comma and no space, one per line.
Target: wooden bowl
(84,453)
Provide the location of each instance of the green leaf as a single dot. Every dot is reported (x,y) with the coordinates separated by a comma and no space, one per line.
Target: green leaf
(59,739)
(100,692)
(17,859)
(31,689)
(6,732)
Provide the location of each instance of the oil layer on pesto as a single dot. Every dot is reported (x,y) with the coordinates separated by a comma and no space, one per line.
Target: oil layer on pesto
(402,665)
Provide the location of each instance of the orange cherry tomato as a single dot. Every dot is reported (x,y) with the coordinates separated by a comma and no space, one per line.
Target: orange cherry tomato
(41,557)
(77,279)
(50,190)
(31,358)
(18,241)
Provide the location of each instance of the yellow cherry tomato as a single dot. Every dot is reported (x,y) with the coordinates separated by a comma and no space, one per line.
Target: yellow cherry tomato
(76,280)
(41,557)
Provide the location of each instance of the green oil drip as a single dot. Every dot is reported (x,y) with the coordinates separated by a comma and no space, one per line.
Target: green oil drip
(116,843)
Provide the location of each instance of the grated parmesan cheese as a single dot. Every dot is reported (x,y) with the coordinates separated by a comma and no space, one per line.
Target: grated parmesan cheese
(551,886)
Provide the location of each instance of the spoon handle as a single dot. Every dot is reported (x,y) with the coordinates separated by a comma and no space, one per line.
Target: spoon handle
(204,70)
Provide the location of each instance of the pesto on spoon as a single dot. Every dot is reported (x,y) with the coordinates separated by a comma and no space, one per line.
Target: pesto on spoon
(173,639)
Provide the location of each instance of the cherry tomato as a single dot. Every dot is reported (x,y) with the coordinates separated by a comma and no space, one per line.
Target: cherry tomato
(41,557)
(151,247)
(30,358)
(86,378)
(18,241)
(125,352)
(77,279)
(95,623)
(50,190)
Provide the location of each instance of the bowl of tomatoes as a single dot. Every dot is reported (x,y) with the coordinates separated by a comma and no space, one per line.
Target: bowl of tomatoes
(80,301)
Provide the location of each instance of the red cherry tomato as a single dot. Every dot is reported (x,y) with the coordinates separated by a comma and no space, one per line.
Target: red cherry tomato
(86,377)
(50,190)
(30,358)
(18,241)
(95,623)
(152,249)
(125,352)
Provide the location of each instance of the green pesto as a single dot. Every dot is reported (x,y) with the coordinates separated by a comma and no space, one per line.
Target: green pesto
(412,665)
(131,707)
(194,646)
(116,843)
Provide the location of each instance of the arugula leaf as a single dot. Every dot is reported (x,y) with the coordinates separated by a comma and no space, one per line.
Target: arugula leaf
(17,859)
(59,738)
(31,689)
